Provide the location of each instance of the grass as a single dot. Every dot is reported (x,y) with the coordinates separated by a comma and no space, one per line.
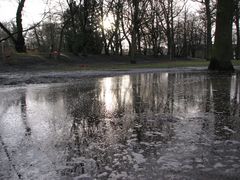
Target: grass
(165,64)
(41,62)
(125,66)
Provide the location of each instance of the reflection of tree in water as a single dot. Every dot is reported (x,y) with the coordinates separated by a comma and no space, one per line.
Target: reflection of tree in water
(9,157)
(8,104)
(143,111)
(225,107)
(235,95)
(24,114)
(168,107)
(91,124)
(82,106)
(19,101)
(149,103)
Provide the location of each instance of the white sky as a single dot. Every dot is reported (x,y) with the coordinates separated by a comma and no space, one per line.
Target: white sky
(32,11)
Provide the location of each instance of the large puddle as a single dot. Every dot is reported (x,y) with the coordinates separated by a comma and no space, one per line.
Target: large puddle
(144,126)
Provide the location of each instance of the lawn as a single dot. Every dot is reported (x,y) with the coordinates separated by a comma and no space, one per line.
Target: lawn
(126,66)
(36,62)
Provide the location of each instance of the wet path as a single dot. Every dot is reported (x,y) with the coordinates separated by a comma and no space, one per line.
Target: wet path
(140,126)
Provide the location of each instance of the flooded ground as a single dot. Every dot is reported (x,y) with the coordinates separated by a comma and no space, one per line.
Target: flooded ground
(183,125)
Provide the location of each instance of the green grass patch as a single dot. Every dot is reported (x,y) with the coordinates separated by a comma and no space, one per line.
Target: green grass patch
(126,66)
(165,64)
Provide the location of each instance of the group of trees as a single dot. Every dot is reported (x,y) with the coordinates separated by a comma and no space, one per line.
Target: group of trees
(157,27)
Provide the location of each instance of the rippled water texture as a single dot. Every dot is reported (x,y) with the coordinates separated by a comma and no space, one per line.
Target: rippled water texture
(144,126)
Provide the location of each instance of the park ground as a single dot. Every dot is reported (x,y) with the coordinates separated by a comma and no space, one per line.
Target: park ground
(41,62)
(38,68)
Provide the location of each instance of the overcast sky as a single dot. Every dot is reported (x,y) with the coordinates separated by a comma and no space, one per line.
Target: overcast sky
(33,10)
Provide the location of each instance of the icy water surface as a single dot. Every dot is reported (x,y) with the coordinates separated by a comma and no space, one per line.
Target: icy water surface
(144,126)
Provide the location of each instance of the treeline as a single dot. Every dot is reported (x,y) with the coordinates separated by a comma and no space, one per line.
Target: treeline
(147,27)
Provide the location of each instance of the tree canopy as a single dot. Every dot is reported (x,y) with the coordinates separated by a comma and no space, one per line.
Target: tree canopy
(150,27)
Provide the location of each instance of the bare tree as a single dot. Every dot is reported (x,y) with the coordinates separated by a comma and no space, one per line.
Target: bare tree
(209,7)
(135,21)
(19,40)
(171,9)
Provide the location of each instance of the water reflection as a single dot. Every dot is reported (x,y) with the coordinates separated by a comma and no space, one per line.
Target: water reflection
(115,94)
(129,127)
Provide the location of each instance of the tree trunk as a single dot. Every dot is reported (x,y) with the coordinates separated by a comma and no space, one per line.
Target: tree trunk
(86,4)
(185,43)
(222,54)
(172,54)
(209,30)
(133,47)
(72,9)
(105,46)
(61,40)
(116,31)
(237,49)
(134,30)
(124,32)
(20,42)
(37,38)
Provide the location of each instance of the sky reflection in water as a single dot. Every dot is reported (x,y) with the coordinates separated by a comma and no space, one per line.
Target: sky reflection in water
(165,125)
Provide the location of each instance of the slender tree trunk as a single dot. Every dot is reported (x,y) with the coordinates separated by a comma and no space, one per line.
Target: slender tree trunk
(124,32)
(37,38)
(72,9)
(222,54)
(61,40)
(133,48)
(134,30)
(172,55)
(86,4)
(209,30)
(106,50)
(237,49)
(139,41)
(117,35)
(185,44)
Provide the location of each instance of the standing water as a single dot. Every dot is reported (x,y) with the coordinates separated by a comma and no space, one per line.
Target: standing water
(142,126)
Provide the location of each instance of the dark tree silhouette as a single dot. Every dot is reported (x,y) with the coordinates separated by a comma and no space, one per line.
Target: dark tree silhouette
(222,53)
(135,4)
(208,8)
(20,44)
(19,40)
